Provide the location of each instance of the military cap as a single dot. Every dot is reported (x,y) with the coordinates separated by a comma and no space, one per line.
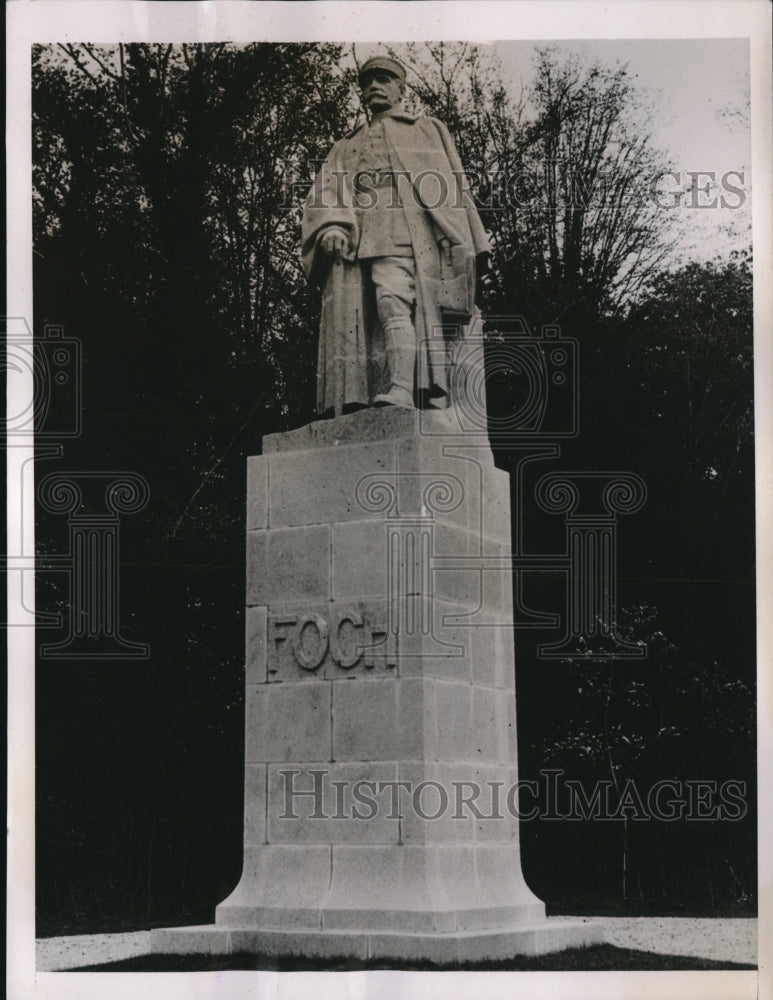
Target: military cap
(384,64)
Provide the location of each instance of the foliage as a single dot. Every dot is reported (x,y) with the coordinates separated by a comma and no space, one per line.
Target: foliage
(668,392)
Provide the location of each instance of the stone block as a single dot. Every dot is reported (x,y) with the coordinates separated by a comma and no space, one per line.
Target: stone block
(457,571)
(255,645)
(495,509)
(258,586)
(299,641)
(435,948)
(368,877)
(423,889)
(458,879)
(488,743)
(505,657)
(454,721)
(280,877)
(436,481)
(497,580)
(507,727)
(347,806)
(254,803)
(331,640)
(492,653)
(321,486)
(476,802)
(416,712)
(257,492)
(448,948)
(433,810)
(385,888)
(359,559)
(466,574)
(390,719)
(288,564)
(484,651)
(379,424)
(377,649)
(288,722)
(308,946)
(498,820)
(282,886)
(440,643)
(498,866)
(366,721)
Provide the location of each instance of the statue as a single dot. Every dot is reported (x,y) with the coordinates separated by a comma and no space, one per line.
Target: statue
(392,236)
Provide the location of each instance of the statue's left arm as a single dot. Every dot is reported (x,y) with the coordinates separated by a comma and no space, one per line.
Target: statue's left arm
(460,196)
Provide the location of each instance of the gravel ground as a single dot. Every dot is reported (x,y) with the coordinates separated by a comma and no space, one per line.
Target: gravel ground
(722,940)
(57,953)
(731,940)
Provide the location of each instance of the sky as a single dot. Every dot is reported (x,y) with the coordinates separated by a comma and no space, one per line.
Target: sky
(690,84)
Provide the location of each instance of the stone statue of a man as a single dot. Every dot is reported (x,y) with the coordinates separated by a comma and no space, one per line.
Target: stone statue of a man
(391,234)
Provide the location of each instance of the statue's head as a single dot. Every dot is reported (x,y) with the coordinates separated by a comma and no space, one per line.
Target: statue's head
(382,82)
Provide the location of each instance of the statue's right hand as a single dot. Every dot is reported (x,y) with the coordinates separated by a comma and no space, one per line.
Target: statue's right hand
(445,250)
(333,243)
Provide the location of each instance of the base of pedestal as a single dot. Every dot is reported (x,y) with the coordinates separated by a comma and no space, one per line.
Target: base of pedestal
(541,938)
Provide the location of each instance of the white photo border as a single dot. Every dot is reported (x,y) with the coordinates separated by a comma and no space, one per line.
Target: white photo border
(113,21)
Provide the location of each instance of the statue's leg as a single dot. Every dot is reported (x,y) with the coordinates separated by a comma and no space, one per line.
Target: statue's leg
(394,283)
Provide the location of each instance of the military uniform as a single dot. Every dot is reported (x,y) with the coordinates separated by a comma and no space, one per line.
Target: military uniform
(388,306)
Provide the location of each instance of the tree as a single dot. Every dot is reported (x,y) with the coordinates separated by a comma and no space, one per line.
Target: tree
(589,232)
(690,341)
(695,324)
(622,730)
(174,161)
(166,235)
(563,173)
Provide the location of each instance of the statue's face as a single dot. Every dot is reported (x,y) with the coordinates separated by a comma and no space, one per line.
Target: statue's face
(381,91)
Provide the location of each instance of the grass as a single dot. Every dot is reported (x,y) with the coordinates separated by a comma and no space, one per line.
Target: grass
(603,957)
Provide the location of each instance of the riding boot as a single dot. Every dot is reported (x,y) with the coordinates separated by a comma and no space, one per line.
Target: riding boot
(400,340)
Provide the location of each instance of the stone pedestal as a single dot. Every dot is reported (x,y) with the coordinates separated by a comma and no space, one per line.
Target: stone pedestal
(380,703)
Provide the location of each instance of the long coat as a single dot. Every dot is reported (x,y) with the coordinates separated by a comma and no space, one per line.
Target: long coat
(437,203)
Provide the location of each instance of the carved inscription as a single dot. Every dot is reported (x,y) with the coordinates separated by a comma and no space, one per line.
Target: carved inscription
(328,641)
